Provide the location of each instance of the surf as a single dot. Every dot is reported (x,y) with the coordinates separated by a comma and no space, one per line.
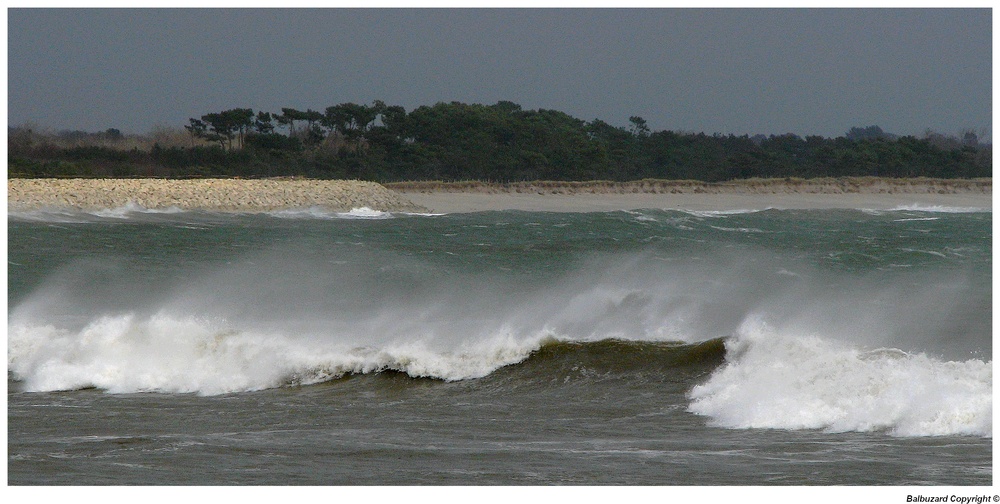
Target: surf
(778,380)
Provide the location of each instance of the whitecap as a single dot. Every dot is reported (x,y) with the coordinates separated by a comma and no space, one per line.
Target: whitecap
(780,381)
(128,353)
(364,213)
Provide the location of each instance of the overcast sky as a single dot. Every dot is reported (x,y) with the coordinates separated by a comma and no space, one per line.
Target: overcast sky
(728,71)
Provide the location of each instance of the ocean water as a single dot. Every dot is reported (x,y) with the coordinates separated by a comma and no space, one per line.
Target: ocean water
(652,347)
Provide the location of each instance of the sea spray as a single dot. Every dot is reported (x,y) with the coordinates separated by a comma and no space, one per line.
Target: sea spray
(253,322)
(263,320)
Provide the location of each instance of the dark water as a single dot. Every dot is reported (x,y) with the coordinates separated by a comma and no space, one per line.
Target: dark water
(834,347)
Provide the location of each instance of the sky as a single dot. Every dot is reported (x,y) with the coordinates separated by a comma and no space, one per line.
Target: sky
(729,71)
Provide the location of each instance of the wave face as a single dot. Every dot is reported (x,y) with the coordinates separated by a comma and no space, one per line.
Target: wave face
(831,320)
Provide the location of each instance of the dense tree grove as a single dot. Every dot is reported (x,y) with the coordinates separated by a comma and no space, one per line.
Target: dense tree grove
(500,142)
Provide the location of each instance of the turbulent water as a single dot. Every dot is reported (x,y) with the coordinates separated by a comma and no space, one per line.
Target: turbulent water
(827,347)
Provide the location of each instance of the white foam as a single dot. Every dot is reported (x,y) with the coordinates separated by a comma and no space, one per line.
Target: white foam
(127,353)
(318,212)
(364,213)
(131,207)
(423,214)
(781,381)
(640,216)
(738,230)
(918,207)
(723,213)
(313,212)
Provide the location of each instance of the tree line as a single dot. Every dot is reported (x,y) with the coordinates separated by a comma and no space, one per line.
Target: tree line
(501,142)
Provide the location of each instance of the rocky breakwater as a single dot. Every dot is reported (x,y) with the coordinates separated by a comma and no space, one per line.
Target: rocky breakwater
(228,195)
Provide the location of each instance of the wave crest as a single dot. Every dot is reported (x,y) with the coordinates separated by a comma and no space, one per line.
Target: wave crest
(161,353)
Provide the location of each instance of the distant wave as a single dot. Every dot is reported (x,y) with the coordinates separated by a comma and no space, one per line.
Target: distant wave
(941,209)
(63,214)
(133,210)
(355,213)
(917,207)
(316,212)
(723,213)
(132,207)
(364,213)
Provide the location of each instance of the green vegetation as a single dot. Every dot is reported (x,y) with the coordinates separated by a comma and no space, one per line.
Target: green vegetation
(459,141)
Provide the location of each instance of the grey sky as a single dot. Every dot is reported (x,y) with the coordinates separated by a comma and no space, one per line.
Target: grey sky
(728,71)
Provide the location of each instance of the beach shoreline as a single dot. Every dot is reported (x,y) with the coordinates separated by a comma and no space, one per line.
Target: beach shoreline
(473,202)
(261,195)
(749,194)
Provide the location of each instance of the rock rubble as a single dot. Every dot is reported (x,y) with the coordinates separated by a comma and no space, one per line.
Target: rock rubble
(231,195)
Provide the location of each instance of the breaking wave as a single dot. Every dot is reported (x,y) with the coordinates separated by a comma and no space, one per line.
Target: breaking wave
(870,354)
(783,381)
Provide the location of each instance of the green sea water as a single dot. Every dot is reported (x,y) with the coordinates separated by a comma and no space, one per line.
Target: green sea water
(651,347)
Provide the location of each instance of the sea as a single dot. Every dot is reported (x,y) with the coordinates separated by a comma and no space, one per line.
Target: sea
(653,348)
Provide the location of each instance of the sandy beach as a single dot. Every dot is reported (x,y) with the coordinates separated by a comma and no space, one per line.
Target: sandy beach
(471,202)
(860,193)
(337,195)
